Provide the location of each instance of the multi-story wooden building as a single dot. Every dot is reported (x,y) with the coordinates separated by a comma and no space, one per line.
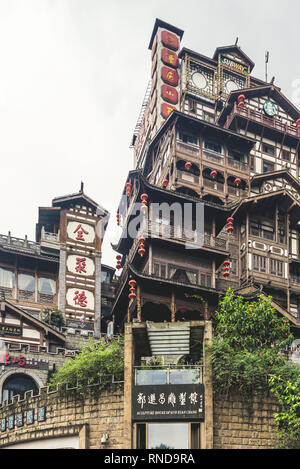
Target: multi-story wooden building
(216,178)
(60,270)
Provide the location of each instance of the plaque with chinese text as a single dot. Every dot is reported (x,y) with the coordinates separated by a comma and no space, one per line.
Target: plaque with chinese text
(168,402)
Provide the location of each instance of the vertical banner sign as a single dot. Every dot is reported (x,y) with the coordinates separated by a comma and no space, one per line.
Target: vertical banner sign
(81,243)
(165,76)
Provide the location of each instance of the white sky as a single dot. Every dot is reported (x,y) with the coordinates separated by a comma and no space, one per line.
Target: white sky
(73,74)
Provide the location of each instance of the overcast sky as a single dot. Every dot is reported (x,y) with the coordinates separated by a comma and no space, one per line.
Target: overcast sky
(73,74)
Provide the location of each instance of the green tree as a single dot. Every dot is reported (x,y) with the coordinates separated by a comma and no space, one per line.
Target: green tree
(53,317)
(248,343)
(97,360)
(247,357)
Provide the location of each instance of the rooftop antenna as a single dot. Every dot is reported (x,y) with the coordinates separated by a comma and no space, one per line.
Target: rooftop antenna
(266,64)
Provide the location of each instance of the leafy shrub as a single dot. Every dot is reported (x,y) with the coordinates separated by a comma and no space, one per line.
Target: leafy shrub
(96,361)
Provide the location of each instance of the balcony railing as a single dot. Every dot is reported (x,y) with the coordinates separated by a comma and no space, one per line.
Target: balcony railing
(237,192)
(179,233)
(238,165)
(187,177)
(19,243)
(187,148)
(259,117)
(52,237)
(213,185)
(214,157)
(171,375)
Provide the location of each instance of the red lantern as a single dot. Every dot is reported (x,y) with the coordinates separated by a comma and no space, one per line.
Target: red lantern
(165,182)
(226,263)
(188,165)
(128,188)
(132,293)
(213,174)
(141,251)
(132,296)
(226,274)
(237,182)
(230,229)
(230,220)
(144,208)
(132,283)
(241,100)
(298,123)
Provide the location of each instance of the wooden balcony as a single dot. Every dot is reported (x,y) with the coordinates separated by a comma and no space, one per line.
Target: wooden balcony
(187,149)
(182,235)
(187,177)
(261,119)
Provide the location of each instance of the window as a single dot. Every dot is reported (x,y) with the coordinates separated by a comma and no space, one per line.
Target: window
(276,267)
(188,138)
(7,278)
(47,286)
(182,275)
(168,435)
(286,155)
(268,167)
(159,270)
(213,146)
(268,149)
(192,105)
(262,228)
(259,263)
(26,282)
(209,117)
(237,156)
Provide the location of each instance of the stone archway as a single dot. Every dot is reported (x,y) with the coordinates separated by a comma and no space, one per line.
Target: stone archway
(18,373)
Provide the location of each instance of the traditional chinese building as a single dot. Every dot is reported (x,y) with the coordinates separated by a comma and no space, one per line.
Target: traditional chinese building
(60,271)
(212,203)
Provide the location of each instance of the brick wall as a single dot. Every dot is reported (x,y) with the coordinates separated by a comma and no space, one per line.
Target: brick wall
(67,415)
(238,427)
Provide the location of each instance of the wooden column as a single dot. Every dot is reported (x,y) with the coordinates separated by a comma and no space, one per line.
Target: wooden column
(139,303)
(128,381)
(173,307)
(208,387)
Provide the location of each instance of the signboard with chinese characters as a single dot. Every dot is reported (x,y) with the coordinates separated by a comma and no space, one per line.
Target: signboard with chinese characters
(165,66)
(22,362)
(10,330)
(80,265)
(168,402)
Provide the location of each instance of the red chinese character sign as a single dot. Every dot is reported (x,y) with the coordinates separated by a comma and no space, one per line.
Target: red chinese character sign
(80,232)
(80,265)
(166,110)
(169,76)
(169,58)
(170,40)
(80,298)
(169,94)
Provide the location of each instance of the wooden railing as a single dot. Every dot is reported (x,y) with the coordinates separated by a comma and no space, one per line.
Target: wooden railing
(262,119)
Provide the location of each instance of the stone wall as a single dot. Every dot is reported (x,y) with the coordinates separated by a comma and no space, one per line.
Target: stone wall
(65,416)
(237,426)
